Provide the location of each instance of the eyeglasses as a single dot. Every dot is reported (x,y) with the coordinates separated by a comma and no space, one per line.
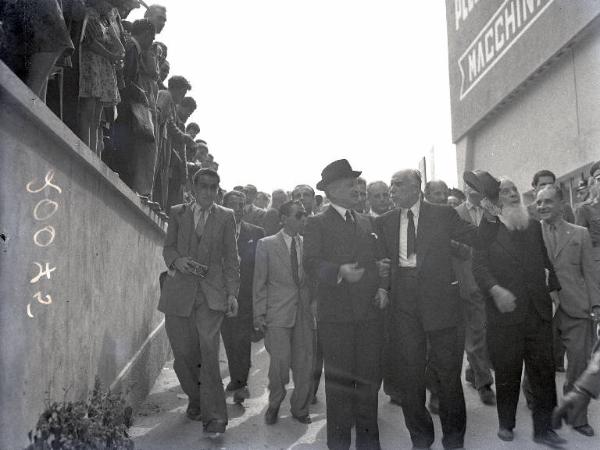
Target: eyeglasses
(300,214)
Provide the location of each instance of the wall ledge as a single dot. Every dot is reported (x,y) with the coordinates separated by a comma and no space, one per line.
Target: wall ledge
(15,93)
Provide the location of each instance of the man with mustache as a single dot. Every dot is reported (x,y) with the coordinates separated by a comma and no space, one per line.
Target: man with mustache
(511,266)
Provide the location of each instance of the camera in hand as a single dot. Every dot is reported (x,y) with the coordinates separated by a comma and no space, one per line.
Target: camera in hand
(200,270)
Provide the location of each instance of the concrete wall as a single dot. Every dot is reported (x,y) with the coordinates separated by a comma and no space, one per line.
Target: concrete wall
(552,123)
(100,318)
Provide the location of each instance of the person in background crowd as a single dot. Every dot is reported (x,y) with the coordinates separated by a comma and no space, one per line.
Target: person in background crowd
(283,311)
(588,215)
(252,214)
(305,195)
(570,252)
(101,50)
(272,221)
(478,372)
(425,306)
(237,331)
(456,197)
(134,164)
(378,197)
(361,206)
(169,133)
(157,14)
(541,179)
(178,175)
(318,204)
(193,129)
(340,256)
(262,200)
(164,70)
(34,36)
(201,289)
(436,192)
(511,266)
(581,194)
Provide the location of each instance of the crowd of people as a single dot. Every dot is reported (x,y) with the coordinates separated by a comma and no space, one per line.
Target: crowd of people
(376,283)
(367,282)
(105,76)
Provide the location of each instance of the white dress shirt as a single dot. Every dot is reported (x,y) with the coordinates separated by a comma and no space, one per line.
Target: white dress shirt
(288,242)
(404,259)
(340,209)
(200,213)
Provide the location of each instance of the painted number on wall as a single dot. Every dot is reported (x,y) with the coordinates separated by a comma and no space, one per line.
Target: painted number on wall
(44,236)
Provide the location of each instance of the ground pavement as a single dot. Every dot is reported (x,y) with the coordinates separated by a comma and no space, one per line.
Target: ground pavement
(161,423)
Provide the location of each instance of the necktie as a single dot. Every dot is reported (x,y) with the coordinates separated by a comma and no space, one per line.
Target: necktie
(411,242)
(201,223)
(294,260)
(349,218)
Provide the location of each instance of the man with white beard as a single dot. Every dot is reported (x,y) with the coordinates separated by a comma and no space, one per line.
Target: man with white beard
(511,266)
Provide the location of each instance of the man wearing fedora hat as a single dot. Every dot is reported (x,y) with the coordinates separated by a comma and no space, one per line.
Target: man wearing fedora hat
(340,254)
(512,268)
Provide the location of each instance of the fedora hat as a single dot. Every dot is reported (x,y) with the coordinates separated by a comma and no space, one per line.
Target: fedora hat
(336,171)
(483,182)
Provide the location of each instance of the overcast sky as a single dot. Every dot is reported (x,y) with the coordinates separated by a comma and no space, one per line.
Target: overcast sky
(285,87)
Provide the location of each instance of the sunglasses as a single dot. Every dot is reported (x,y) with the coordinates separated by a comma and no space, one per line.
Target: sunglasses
(300,214)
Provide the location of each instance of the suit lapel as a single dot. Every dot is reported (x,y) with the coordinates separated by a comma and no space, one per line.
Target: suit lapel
(187,228)
(209,229)
(424,231)
(392,231)
(283,252)
(564,236)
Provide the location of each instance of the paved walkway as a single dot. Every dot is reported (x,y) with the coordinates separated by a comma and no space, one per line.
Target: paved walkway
(161,423)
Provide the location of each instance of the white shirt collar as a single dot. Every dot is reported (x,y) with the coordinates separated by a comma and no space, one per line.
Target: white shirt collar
(340,209)
(288,239)
(414,208)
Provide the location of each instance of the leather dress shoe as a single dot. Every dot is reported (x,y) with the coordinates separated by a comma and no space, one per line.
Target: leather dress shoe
(303,419)
(193,413)
(240,395)
(586,430)
(549,438)
(271,415)
(215,427)
(487,396)
(505,434)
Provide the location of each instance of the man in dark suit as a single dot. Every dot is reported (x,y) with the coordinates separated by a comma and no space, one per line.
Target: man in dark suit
(340,255)
(237,331)
(252,213)
(424,306)
(204,276)
(512,269)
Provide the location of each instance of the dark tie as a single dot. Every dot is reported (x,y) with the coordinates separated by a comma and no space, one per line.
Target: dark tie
(201,223)
(411,243)
(349,218)
(294,258)
(553,239)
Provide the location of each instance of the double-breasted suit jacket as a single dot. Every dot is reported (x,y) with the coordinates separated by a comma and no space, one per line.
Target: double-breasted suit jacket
(329,243)
(437,226)
(216,249)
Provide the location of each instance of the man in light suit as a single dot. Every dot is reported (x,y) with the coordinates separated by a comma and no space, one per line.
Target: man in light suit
(425,307)
(237,331)
(570,252)
(201,254)
(479,372)
(283,311)
(340,254)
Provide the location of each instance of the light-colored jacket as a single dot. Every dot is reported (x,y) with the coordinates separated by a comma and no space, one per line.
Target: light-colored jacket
(275,293)
(574,266)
